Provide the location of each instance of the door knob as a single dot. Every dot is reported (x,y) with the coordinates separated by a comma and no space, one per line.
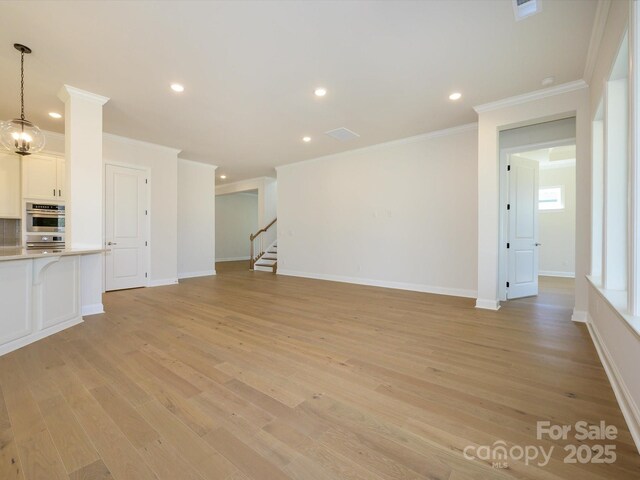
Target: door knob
(111,243)
(538,244)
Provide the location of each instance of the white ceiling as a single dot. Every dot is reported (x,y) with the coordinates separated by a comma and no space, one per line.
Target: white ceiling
(250,68)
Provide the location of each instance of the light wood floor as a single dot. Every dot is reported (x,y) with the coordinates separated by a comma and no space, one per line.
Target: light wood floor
(255,376)
(553,292)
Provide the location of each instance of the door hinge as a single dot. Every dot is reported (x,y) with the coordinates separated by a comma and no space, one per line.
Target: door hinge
(508,168)
(507,284)
(146,244)
(146,180)
(508,245)
(508,206)
(146,212)
(145,274)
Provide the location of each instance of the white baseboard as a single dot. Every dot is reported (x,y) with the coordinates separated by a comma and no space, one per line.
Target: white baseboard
(94,309)
(162,281)
(415,287)
(232,259)
(34,337)
(551,273)
(628,406)
(488,304)
(203,273)
(579,316)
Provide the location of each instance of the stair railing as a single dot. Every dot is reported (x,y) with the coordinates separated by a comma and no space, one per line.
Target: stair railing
(257,244)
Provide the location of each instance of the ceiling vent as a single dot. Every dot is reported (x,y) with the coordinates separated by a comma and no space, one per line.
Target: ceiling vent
(342,134)
(526,8)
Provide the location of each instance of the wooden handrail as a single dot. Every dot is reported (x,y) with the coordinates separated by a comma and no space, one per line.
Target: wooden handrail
(262,230)
(253,258)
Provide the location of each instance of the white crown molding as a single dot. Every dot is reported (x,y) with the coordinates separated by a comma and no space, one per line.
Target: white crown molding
(531,96)
(243,185)
(558,164)
(139,143)
(597,31)
(197,162)
(49,133)
(67,92)
(131,141)
(393,143)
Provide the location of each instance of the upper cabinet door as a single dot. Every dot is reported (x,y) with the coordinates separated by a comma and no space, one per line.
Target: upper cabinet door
(62,178)
(39,175)
(9,185)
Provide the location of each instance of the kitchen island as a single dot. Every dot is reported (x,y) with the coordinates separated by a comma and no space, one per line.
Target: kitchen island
(40,293)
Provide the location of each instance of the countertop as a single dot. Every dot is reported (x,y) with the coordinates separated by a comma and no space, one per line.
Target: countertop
(19,253)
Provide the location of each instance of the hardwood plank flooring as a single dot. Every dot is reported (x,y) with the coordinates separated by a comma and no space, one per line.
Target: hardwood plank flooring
(252,376)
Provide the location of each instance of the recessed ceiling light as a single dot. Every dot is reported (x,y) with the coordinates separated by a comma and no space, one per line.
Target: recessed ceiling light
(455,96)
(306,139)
(55,115)
(320,92)
(176,87)
(223,177)
(548,81)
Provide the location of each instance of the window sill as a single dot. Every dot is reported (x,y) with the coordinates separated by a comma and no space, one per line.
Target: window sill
(617,300)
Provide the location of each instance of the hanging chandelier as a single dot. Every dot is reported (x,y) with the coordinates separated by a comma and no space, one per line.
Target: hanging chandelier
(19,134)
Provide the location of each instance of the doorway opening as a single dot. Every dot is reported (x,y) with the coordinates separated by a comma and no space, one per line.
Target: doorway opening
(236,219)
(538,188)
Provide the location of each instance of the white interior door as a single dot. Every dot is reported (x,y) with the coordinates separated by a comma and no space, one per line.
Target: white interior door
(125,227)
(522,256)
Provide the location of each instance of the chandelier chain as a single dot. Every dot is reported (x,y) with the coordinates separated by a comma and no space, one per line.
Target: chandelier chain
(22,85)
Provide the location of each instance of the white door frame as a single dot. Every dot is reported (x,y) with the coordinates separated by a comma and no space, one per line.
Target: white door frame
(503,234)
(147,256)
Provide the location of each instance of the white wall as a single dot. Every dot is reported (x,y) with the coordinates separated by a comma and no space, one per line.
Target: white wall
(196,219)
(401,214)
(267,188)
(236,219)
(162,163)
(618,344)
(550,104)
(558,227)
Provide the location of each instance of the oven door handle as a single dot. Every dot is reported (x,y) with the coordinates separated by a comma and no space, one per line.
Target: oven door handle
(50,214)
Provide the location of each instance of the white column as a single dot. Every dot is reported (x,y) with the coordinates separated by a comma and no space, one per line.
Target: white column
(633,289)
(614,269)
(83,153)
(84,187)
(597,198)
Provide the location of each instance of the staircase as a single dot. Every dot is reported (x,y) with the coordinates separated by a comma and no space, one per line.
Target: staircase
(265,260)
(269,261)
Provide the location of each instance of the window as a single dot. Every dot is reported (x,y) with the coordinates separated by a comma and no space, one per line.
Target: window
(551,198)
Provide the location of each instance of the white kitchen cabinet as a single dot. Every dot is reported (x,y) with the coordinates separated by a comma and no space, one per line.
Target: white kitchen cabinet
(43,177)
(16,279)
(9,185)
(61,178)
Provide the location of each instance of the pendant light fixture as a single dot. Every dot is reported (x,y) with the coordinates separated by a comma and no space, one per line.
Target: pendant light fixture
(19,134)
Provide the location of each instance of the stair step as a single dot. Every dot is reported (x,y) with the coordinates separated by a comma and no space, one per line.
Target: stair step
(268,258)
(271,251)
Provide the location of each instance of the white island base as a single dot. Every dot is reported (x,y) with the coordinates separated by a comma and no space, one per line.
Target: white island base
(39,295)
